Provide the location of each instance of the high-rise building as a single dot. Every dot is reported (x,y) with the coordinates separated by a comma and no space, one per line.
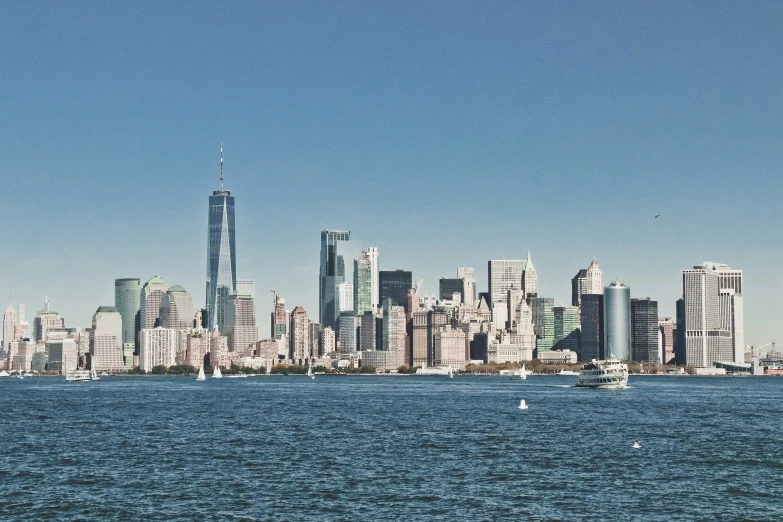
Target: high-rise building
(363,284)
(127,300)
(512,303)
(543,309)
(591,345)
(504,275)
(448,287)
(337,252)
(176,309)
(328,341)
(394,285)
(644,330)
(221,253)
(680,356)
(367,331)
(246,287)
(421,340)
(578,287)
(372,254)
(567,328)
(158,347)
(63,355)
(149,302)
(666,339)
(449,347)
(106,353)
(524,331)
(595,278)
(240,326)
(530,278)
(9,325)
(345,297)
(713,314)
(393,327)
(315,340)
(617,321)
(44,320)
(299,336)
(279,318)
(469,284)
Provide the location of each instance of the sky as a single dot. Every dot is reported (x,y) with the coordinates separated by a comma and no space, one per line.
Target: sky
(445,134)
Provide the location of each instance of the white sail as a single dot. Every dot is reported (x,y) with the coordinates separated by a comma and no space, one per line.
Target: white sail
(451,373)
(523,374)
(201,375)
(216,373)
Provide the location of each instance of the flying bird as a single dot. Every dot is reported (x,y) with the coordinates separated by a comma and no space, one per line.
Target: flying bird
(657,216)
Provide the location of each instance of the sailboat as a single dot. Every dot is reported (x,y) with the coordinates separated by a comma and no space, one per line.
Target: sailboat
(201,376)
(522,404)
(93,375)
(523,372)
(310,371)
(451,373)
(216,373)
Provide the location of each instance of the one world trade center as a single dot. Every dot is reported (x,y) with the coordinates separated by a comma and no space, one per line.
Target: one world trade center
(221,254)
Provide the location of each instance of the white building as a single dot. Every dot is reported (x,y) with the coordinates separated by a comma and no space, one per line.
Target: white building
(151,295)
(530,278)
(158,347)
(328,341)
(507,348)
(504,275)
(176,309)
(449,347)
(106,352)
(345,297)
(595,279)
(9,326)
(240,321)
(372,253)
(63,355)
(558,356)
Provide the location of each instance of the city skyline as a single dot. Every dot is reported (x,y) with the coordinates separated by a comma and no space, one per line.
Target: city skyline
(109,178)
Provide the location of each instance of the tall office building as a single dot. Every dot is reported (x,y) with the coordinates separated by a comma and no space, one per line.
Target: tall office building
(591,344)
(176,309)
(393,327)
(9,325)
(595,278)
(666,339)
(578,287)
(158,347)
(363,282)
(45,320)
(240,326)
(680,356)
(543,309)
(246,287)
(336,267)
(149,302)
(644,330)
(315,339)
(221,253)
(469,284)
(345,297)
(349,324)
(328,341)
(127,300)
(504,275)
(567,328)
(106,341)
(448,287)
(713,314)
(279,318)
(617,321)
(524,330)
(299,336)
(367,331)
(530,278)
(372,254)
(394,285)
(512,302)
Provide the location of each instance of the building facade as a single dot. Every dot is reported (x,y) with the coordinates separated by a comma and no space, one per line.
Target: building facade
(504,275)
(645,331)
(176,309)
(617,321)
(221,253)
(149,302)
(240,323)
(394,285)
(591,320)
(567,328)
(106,353)
(127,300)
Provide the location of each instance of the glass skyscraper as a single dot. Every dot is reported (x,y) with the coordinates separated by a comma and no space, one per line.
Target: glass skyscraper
(336,268)
(617,321)
(127,300)
(394,285)
(221,254)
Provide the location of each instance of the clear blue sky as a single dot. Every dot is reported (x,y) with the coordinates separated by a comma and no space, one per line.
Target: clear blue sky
(445,134)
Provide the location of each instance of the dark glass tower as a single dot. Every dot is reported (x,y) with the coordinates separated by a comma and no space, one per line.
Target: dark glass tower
(221,253)
(644,330)
(592,321)
(331,274)
(394,285)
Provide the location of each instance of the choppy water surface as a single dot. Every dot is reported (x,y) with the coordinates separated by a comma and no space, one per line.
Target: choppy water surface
(375,448)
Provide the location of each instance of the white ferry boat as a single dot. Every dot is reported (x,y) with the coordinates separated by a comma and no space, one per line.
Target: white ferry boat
(603,374)
(77,375)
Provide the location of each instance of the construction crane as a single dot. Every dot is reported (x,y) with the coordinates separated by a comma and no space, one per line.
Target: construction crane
(417,285)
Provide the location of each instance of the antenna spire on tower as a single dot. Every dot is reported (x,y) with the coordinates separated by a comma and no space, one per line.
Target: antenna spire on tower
(221,167)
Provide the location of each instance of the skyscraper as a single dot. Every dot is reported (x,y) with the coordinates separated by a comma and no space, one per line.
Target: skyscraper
(504,275)
(543,322)
(337,252)
(176,309)
(595,278)
(469,284)
(299,336)
(363,281)
(127,300)
(279,318)
(45,320)
(713,314)
(666,339)
(106,340)
(578,287)
(246,287)
(591,345)
(530,278)
(240,326)
(448,287)
(394,285)
(644,330)
(372,254)
(617,321)
(9,323)
(567,328)
(149,303)
(221,253)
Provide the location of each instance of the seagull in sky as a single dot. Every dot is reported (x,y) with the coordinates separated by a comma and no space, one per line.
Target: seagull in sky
(657,216)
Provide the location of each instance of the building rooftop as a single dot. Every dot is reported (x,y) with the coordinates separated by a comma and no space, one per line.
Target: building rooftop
(176,288)
(106,309)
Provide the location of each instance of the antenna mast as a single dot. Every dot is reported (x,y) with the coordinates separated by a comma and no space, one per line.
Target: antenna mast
(221,167)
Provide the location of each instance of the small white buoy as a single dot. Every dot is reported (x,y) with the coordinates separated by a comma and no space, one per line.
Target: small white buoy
(636,444)
(522,405)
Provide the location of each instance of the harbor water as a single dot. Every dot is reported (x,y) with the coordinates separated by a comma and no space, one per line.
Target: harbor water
(390,448)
